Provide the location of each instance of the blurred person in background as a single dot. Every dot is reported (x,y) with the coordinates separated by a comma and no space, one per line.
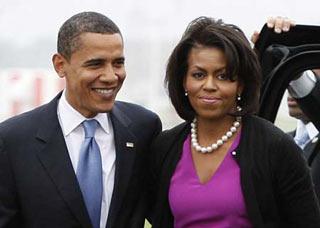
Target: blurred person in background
(79,160)
(306,134)
(224,167)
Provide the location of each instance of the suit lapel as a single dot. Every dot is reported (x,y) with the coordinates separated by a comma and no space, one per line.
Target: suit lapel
(125,144)
(309,149)
(53,154)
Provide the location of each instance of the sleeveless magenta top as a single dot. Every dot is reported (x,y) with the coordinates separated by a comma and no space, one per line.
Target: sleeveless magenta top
(217,203)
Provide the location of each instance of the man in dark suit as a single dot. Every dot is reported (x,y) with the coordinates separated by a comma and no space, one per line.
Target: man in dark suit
(304,93)
(79,160)
(306,135)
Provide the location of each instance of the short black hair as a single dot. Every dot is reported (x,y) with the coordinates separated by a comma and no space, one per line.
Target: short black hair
(242,63)
(80,23)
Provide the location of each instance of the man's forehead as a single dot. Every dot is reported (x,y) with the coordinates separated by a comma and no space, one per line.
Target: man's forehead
(85,35)
(110,42)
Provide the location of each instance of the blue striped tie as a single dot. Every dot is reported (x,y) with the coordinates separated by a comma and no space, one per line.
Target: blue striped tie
(89,172)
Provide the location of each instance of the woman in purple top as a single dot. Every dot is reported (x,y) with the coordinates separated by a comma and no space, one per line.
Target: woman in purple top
(224,167)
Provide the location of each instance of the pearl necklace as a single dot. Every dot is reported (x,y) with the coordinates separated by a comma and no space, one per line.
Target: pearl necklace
(214,146)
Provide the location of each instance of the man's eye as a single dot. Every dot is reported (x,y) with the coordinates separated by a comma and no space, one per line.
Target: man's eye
(93,65)
(119,63)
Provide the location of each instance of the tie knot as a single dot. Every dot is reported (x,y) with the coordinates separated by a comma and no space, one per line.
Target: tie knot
(90,127)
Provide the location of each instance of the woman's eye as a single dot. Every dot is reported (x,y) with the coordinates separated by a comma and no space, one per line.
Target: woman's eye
(222,77)
(198,75)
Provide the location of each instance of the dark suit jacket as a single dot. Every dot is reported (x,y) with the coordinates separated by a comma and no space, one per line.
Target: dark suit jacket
(311,154)
(275,180)
(38,186)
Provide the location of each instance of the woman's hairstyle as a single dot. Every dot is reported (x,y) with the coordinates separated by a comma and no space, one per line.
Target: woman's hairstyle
(241,63)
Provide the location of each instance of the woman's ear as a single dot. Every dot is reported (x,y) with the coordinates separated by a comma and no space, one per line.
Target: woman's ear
(240,88)
(184,82)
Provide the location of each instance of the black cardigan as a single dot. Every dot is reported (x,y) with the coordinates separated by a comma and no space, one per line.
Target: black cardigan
(275,179)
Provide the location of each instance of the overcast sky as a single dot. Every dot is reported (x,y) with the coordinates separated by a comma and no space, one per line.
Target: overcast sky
(28,31)
(28,20)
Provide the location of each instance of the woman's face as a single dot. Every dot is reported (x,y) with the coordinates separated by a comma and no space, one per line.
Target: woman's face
(211,94)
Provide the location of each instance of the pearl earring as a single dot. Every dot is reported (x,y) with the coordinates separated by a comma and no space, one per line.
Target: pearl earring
(186,93)
(239,109)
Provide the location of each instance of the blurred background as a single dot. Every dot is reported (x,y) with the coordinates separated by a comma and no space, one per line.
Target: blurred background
(150,29)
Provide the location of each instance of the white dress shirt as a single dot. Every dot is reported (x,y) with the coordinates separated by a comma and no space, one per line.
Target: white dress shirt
(70,121)
(301,128)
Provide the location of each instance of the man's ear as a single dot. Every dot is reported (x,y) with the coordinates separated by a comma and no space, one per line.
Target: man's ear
(59,63)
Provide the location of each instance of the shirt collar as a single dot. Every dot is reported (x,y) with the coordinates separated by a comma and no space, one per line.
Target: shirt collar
(309,127)
(71,118)
(312,130)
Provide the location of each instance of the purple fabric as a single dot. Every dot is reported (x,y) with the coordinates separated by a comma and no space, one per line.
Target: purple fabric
(217,203)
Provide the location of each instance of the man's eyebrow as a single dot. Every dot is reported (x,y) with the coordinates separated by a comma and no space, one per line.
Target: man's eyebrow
(93,62)
(120,59)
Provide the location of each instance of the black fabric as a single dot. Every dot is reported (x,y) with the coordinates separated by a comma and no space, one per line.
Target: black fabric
(284,56)
(312,156)
(298,35)
(276,84)
(274,176)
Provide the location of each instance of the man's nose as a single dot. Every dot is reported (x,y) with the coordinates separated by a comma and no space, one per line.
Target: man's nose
(108,74)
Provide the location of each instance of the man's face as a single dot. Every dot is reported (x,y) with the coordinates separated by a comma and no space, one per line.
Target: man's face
(316,72)
(294,109)
(95,73)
